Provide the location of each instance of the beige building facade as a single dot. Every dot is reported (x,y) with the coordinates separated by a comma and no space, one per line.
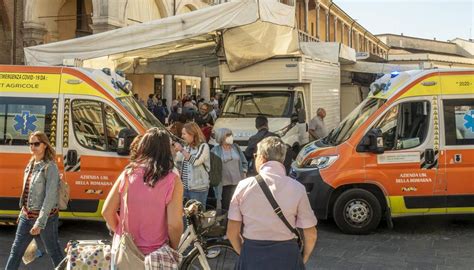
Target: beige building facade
(325,21)
(44,21)
(429,53)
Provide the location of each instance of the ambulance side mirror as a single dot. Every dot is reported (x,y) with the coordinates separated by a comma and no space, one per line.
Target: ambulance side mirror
(372,142)
(125,139)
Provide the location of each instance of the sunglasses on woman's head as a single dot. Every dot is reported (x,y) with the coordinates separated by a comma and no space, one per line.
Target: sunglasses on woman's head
(35,144)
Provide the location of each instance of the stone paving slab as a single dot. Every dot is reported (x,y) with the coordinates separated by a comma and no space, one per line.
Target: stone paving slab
(439,243)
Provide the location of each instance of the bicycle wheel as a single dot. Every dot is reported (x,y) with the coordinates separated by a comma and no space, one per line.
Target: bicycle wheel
(220,256)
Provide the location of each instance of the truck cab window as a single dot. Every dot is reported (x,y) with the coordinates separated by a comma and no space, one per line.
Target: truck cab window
(114,123)
(250,104)
(300,102)
(21,116)
(299,108)
(88,124)
(405,126)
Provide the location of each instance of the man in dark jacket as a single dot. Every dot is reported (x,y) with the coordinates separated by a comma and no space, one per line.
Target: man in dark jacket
(161,112)
(204,119)
(261,123)
(150,103)
(189,111)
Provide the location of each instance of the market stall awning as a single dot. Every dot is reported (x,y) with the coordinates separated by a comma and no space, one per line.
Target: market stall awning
(249,31)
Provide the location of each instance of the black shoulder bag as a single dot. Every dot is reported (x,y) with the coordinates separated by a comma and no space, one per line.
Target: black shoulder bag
(278,212)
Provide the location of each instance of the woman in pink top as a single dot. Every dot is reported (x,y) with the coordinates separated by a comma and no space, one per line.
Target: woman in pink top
(155,196)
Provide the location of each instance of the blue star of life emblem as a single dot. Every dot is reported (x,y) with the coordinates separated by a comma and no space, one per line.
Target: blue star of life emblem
(25,122)
(469,120)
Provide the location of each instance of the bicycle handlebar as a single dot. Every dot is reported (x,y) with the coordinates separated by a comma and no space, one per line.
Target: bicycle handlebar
(192,207)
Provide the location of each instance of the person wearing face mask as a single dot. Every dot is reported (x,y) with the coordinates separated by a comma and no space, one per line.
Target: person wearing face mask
(234,166)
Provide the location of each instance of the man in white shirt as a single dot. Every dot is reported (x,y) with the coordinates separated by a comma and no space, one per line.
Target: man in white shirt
(317,127)
(215,101)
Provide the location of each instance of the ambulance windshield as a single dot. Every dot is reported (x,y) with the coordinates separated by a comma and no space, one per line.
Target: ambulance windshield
(140,112)
(356,118)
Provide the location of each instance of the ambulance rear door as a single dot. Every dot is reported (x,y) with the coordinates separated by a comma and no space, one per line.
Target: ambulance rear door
(458,141)
(29,102)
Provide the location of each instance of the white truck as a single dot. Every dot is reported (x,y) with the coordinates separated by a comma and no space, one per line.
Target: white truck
(287,90)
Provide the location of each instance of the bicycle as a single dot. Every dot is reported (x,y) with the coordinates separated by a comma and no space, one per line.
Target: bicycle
(199,249)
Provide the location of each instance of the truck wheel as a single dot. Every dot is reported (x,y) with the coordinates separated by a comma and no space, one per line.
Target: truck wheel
(357,211)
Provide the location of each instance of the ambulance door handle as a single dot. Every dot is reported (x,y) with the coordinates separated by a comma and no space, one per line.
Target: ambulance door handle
(429,156)
(457,158)
(71,157)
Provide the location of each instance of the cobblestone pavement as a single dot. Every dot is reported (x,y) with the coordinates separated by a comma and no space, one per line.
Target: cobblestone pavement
(414,243)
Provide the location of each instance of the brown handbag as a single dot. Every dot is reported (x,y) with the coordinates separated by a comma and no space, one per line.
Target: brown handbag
(63,196)
(128,256)
(63,193)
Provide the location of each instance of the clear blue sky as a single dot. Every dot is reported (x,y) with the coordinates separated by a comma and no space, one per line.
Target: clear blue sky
(443,19)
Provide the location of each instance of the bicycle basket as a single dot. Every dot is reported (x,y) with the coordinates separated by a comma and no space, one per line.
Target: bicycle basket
(211,219)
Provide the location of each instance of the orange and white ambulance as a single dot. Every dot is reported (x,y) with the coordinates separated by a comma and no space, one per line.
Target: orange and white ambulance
(87,115)
(408,149)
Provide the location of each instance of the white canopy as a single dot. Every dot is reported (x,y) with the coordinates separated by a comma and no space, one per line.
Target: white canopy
(249,30)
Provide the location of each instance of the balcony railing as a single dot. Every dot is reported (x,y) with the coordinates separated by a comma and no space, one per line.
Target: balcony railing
(305,37)
(217,2)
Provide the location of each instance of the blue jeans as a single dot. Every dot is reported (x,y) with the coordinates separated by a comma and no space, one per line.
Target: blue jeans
(218,194)
(200,196)
(48,235)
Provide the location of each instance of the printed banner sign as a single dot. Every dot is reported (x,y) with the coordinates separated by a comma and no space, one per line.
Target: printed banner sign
(404,157)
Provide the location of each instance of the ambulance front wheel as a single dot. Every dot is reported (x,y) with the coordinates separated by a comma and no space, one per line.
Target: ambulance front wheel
(357,211)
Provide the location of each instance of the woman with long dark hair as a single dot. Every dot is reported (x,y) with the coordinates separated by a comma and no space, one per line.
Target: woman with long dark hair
(155,196)
(38,203)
